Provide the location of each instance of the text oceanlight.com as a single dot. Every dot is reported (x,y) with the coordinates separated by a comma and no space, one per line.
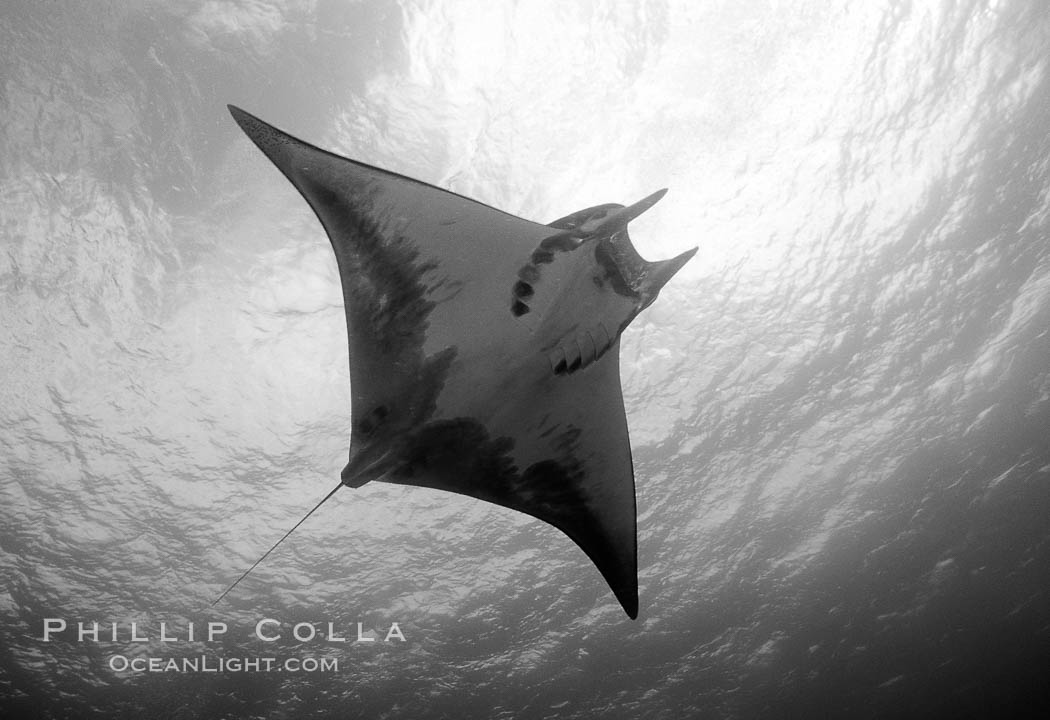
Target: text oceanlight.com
(206,664)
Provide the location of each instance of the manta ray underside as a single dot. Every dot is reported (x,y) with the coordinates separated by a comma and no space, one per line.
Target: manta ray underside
(484,348)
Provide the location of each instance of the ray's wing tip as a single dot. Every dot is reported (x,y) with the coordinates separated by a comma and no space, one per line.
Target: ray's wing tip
(241,117)
(252,126)
(630,606)
(627,594)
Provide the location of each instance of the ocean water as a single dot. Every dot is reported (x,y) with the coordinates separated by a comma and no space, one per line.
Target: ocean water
(839,409)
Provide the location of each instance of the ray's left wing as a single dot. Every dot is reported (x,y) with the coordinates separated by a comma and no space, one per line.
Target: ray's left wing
(412,258)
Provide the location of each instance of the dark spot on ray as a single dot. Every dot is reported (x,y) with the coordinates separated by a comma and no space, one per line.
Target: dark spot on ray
(604,253)
(384,288)
(522,289)
(541,256)
(372,420)
(529,273)
(555,357)
(552,487)
(458,449)
(519,308)
(460,455)
(598,282)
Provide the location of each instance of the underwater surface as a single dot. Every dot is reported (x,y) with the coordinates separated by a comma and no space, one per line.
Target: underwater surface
(839,409)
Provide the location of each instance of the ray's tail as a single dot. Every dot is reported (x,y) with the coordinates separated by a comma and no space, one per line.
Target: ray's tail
(283,537)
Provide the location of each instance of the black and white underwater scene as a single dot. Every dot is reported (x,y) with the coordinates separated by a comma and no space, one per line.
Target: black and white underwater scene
(838,409)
